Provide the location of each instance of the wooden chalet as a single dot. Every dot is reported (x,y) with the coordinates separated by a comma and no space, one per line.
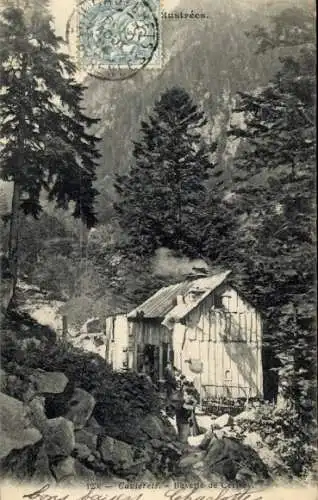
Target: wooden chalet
(204,327)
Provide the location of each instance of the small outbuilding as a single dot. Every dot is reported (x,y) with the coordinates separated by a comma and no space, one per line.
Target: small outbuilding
(203,327)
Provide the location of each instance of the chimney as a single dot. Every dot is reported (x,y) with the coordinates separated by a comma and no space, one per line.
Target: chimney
(196,273)
(195,276)
(180,300)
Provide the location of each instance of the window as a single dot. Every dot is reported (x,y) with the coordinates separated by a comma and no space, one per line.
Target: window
(218,303)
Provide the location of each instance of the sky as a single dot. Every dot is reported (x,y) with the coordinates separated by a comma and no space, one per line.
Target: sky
(62,9)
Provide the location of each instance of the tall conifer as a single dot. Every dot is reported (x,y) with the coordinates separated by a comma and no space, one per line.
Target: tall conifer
(161,197)
(274,250)
(46,145)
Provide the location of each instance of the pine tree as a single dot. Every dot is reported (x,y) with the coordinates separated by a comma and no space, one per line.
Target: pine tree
(46,143)
(274,251)
(160,199)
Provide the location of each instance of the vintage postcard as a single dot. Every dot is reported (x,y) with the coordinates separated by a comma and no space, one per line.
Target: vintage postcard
(157,198)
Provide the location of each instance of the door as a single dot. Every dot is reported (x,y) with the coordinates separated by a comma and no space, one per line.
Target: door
(165,356)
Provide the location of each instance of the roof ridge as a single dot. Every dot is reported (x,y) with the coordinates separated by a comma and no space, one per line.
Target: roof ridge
(161,302)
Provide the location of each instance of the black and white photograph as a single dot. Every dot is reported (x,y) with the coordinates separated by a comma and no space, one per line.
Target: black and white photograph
(158,250)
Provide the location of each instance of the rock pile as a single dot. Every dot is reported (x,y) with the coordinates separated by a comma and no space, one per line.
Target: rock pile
(68,418)
(73,447)
(224,460)
(229,449)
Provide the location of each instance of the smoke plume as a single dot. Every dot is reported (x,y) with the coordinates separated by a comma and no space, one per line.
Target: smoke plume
(166,264)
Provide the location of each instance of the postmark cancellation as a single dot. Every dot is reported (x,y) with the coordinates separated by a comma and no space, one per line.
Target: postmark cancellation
(116,38)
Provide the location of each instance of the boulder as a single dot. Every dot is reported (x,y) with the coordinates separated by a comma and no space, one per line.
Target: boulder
(37,413)
(196,440)
(49,382)
(16,430)
(222,421)
(268,456)
(200,465)
(83,436)
(64,471)
(80,408)
(204,421)
(81,451)
(228,456)
(59,438)
(206,440)
(20,464)
(191,459)
(94,427)
(42,472)
(116,453)
(84,474)
(254,440)
(153,426)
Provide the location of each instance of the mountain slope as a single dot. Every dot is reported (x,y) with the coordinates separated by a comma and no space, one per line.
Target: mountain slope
(211,58)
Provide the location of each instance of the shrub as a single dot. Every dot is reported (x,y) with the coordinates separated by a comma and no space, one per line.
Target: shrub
(284,432)
(20,324)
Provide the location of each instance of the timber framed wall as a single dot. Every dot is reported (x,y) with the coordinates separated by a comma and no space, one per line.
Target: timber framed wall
(228,341)
(117,340)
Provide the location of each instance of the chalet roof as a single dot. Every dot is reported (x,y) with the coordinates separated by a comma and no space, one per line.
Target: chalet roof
(164,301)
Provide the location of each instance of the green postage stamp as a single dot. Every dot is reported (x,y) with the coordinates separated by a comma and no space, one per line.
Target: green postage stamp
(114,39)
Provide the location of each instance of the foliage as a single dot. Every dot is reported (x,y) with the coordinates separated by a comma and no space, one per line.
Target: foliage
(273,251)
(49,253)
(219,226)
(283,432)
(47,146)
(132,280)
(160,199)
(20,324)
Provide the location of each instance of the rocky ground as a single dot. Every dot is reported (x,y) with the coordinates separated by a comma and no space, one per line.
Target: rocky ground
(57,431)
(67,419)
(74,448)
